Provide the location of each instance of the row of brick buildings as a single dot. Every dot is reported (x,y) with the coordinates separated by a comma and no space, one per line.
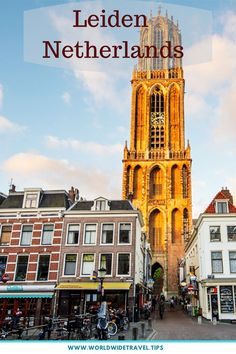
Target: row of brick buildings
(52,243)
(209,267)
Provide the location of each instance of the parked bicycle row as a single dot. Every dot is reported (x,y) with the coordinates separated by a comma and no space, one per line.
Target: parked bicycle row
(103,325)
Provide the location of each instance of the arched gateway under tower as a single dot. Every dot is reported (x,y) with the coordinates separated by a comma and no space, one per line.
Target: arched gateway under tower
(157,166)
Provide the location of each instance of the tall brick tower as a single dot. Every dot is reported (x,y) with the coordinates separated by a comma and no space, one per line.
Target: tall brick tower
(157,166)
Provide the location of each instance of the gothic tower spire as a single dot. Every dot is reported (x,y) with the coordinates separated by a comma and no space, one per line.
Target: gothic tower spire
(157,166)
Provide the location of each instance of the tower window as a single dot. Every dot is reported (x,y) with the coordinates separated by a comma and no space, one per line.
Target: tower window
(158,42)
(157,120)
(184,181)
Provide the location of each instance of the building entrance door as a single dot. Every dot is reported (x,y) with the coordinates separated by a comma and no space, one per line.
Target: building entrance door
(214,306)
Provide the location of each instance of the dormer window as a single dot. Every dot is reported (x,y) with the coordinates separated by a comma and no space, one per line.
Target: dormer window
(100,205)
(221,207)
(31,198)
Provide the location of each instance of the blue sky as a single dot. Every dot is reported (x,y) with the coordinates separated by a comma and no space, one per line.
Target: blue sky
(61,127)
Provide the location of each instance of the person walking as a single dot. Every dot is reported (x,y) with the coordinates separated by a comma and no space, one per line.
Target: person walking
(161,306)
(172,303)
(154,302)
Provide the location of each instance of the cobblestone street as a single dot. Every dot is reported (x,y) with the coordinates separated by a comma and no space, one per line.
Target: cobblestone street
(178,325)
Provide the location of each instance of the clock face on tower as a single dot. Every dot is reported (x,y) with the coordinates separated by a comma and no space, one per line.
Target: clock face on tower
(157,118)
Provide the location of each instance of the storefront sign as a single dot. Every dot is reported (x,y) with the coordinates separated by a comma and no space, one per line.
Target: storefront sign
(15,288)
(212,290)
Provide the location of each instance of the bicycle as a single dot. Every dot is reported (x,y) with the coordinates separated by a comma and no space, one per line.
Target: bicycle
(112,328)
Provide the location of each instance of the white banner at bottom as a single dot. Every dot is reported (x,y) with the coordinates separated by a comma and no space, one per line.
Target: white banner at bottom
(89,347)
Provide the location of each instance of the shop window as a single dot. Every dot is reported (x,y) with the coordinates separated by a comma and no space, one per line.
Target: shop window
(5,235)
(47,234)
(90,234)
(26,235)
(125,233)
(123,264)
(70,264)
(43,267)
(87,264)
(3,264)
(106,262)
(21,268)
(226,299)
(107,233)
(232,261)
(231,232)
(73,234)
(217,262)
(215,235)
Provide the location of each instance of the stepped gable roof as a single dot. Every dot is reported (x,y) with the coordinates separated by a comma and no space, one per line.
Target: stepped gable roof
(224,194)
(113,205)
(48,199)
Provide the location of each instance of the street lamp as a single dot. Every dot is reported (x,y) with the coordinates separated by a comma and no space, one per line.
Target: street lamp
(101,276)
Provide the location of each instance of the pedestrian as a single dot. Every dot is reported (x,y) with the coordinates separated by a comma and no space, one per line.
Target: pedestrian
(161,306)
(154,302)
(172,303)
(16,318)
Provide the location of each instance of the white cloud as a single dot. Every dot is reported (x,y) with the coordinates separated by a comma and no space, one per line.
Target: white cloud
(229,23)
(88,147)
(196,106)
(1,95)
(226,127)
(101,85)
(7,126)
(66,97)
(215,75)
(212,85)
(32,169)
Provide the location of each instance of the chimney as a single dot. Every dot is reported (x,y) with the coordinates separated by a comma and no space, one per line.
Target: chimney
(12,188)
(71,195)
(76,194)
(227,193)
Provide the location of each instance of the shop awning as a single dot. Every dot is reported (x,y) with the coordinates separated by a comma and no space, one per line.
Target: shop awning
(94,286)
(25,295)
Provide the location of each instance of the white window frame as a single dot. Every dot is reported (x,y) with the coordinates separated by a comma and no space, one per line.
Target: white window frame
(106,201)
(118,235)
(4,255)
(67,232)
(222,201)
(112,259)
(96,234)
(1,227)
(213,241)
(64,264)
(36,276)
(107,244)
(19,255)
(31,192)
(22,226)
(41,238)
(81,264)
(228,233)
(222,261)
(117,261)
(229,263)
